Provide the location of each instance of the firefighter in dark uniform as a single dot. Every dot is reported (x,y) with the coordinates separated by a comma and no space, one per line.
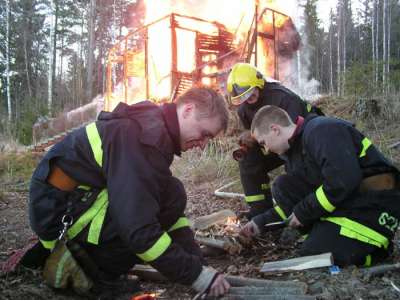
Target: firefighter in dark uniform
(109,186)
(250,90)
(338,187)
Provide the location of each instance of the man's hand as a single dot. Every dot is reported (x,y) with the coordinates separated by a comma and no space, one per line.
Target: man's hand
(250,230)
(210,282)
(294,222)
(219,287)
(245,139)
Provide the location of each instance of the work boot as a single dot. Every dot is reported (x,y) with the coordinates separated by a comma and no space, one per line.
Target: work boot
(111,287)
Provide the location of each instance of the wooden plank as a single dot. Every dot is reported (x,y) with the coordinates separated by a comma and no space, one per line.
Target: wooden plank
(299,263)
(221,216)
(146,272)
(255,282)
(265,297)
(275,290)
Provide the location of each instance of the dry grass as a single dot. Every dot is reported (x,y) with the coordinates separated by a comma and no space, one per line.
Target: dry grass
(213,164)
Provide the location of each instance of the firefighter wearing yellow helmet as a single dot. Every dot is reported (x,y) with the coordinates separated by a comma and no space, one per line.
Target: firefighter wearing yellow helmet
(250,90)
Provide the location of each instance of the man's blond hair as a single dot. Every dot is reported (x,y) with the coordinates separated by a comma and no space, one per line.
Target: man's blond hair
(208,102)
(267,116)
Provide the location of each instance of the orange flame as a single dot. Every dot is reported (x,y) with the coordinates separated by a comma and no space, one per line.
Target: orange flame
(156,58)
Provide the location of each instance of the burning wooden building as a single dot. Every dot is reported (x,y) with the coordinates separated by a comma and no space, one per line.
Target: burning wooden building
(162,59)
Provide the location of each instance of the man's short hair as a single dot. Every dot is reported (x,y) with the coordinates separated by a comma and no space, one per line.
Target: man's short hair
(208,102)
(268,115)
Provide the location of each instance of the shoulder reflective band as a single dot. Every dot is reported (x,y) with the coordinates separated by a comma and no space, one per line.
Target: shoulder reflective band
(366,143)
(254,198)
(48,244)
(89,215)
(265,186)
(358,231)
(182,222)
(368,261)
(157,249)
(323,200)
(280,212)
(95,142)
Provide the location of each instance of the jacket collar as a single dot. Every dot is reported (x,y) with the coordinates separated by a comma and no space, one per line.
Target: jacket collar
(172,124)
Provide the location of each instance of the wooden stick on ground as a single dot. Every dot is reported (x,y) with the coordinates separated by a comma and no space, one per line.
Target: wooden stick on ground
(204,222)
(299,263)
(231,248)
(146,272)
(380,270)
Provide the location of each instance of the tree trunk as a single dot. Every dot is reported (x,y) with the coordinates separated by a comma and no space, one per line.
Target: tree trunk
(90,58)
(51,58)
(373,40)
(330,62)
(8,84)
(339,26)
(377,42)
(384,44)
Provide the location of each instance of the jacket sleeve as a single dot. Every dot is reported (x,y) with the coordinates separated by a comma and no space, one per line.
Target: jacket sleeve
(134,190)
(333,151)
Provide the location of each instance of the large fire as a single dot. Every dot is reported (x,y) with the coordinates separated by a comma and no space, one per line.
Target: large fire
(191,42)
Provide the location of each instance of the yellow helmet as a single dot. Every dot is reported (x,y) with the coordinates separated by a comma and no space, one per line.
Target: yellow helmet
(242,81)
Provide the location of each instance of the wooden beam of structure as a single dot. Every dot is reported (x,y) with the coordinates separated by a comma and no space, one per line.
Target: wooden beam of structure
(205,222)
(299,263)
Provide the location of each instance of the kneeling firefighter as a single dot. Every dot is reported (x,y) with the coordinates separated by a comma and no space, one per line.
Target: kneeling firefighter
(104,198)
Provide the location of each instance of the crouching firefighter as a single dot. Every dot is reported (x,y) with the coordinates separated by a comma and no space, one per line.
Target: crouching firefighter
(104,198)
(339,187)
(250,90)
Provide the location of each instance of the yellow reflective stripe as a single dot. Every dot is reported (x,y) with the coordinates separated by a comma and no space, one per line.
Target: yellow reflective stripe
(157,249)
(60,268)
(323,200)
(358,231)
(95,142)
(78,226)
(265,186)
(84,187)
(254,198)
(182,222)
(280,212)
(96,225)
(366,143)
(368,261)
(48,244)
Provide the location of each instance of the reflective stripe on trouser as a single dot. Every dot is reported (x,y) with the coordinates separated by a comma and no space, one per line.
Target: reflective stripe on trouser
(358,231)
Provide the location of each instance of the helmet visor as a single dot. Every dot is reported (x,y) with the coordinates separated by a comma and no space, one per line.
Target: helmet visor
(241,94)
